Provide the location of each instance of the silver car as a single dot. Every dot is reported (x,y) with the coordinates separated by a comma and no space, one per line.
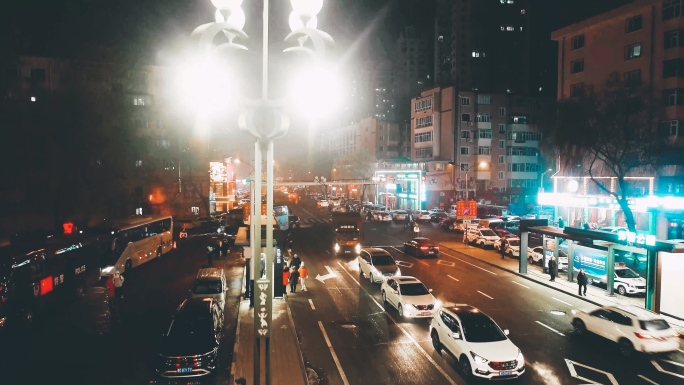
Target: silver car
(377,264)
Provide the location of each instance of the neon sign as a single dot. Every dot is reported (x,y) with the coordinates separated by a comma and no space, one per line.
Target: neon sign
(639,239)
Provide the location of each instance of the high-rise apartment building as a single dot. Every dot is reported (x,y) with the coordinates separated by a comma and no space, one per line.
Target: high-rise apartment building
(487,144)
(412,64)
(370,137)
(484,45)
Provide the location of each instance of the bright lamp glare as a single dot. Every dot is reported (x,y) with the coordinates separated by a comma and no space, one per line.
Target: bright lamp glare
(226,4)
(316,92)
(297,23)
(236,19)
(205,87)
(307,7)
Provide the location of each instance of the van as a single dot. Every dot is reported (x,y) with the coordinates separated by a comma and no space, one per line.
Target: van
(491,223)
(210,283)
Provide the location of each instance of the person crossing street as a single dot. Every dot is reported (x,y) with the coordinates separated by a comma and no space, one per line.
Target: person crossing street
(303,274)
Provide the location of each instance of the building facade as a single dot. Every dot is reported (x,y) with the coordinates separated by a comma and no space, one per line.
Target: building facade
(485,146)
(642,42)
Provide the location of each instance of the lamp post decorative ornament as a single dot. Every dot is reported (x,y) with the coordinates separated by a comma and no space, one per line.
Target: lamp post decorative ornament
(266,120)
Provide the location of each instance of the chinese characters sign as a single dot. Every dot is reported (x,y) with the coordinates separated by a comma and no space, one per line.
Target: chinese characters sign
(262,308)
(466,210)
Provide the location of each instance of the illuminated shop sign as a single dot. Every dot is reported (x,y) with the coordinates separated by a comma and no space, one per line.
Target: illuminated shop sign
(598,201)
(639,239)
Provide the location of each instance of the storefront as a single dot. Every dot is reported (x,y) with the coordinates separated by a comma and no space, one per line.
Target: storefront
(400,189)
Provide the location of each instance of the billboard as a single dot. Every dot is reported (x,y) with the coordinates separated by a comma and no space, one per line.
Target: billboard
(466,210)
(593,261)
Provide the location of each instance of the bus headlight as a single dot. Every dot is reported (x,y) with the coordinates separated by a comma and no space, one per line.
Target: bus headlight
(337,247)
(357,248)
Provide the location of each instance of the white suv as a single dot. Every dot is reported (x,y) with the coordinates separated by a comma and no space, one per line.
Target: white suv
(633,328)
(409,296)
(481,348)
(482,237)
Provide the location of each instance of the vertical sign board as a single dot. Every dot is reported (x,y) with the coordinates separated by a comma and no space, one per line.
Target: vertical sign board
(263,305)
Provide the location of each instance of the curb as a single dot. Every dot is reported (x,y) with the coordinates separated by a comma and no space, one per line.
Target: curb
(299,347)
(525,276)
(237,330)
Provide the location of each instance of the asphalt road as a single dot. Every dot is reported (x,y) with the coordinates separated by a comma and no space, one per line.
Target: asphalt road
(57,351)
(348,337)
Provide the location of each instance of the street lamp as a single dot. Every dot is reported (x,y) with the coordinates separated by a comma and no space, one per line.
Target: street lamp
(265,119)
(541,180)
(482,164)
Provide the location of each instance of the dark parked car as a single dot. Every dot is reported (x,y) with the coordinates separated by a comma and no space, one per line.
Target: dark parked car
(436,217)
(502,233)
(421,247)
(447,223)
(190,345)
(533,239)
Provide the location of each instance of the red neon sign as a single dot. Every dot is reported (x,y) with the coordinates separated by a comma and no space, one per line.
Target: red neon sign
(68,227)
(46,285)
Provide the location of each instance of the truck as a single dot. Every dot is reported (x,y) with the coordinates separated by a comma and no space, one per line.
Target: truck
(347,232)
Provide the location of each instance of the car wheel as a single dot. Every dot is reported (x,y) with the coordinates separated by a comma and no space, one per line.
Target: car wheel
(435,342)
(530,260)
(466,369)
(129,265)
(580,328)
(451,227)
(401,310)
(384,298)
(621,290)
(626,347)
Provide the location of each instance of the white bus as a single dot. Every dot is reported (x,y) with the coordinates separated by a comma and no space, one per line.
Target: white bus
(136,240)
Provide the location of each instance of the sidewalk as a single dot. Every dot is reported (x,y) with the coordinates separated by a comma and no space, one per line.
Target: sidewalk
(595,295)
(287,364)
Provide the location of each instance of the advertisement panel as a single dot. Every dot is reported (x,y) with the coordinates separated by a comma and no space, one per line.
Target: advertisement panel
(593,261)
(671,284)
(282,216)
(466,210)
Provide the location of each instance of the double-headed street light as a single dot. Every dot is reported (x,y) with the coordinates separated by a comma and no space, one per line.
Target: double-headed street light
(265,119)
(482,164)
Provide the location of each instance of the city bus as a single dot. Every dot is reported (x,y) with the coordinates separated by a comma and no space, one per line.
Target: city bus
(45,272)
(136,240)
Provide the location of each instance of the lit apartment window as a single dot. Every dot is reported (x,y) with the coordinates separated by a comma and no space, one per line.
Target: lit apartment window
(138,101)
(672,39)
(422,105)
(476,54)
(577,42)
(576,90)
(502,160)
(633,51)
(633,24)
(502,111)
(485,134)
(138,163)
(522,11)
(672,9)
(423,137)
(465,117)
(465,101)
(484,99)
(465,150)
(577,66)
(484,118)
(425,121)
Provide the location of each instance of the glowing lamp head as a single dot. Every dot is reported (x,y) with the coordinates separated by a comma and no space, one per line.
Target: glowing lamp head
(307,7)
(573,186)
(234,17)
(298,22)
(226,4)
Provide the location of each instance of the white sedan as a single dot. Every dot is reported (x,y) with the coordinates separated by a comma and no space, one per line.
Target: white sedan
(399,215)
(422,216)
(409,296)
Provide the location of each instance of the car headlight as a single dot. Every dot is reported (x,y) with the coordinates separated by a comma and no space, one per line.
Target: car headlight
(478,359)
(337,247)
(398,272)
(520,357)
(438,304)
(357,248)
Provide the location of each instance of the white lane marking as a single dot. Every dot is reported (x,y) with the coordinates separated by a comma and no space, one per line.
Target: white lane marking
(681,350)
(673,363)
(485,294)
(331,274)
(446,263)
(415,343)
(311,303)
(647,380)
(573,372)
(455,279)
(561,301)
(660,369)
(423,262)
(526,287)
(481,268)
(404,264)
(334,355)
(550,328)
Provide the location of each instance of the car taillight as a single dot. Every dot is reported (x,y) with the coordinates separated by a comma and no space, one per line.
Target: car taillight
(676,335)
(435,247)
(423,247)
(644,336)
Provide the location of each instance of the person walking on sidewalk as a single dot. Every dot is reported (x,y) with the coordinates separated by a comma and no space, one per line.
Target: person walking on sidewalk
(296,262)
(553,268)
(503,248)
(294,279)
(303,274)
(286,279)
(582,282)
(118,281)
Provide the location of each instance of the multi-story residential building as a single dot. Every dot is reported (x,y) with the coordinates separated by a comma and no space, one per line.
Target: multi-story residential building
(642,41)
(412,67)
(149,160)
(484,45)
(376,138)
(486,144)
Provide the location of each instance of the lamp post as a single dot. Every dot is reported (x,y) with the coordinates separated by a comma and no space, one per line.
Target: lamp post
(541,180)
(481,165)
(266,120)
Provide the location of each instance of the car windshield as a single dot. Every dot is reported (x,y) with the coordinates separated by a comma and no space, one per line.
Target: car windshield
(654,324)
(626,273)
(488,233)
(400,212)
(477,327)
(383,260)
(424,213)
(207,287)
(514,242)
(183,327)
(347,235)
(411,289)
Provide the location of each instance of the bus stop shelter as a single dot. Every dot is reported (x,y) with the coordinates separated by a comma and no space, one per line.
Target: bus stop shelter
(611,241)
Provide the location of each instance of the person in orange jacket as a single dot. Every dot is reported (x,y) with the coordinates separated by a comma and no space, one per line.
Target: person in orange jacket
(286,279)
(303,274)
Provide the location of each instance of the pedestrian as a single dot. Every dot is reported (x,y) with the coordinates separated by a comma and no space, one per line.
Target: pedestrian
(286,279)
(210,254)
(561,223)
(294,279)
(582,282)
(118,281)
(303,275)
(553,268)
(296,262)
(503,248)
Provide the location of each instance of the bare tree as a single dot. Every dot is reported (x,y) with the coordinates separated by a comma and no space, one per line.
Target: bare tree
(609,132)
(360,166)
